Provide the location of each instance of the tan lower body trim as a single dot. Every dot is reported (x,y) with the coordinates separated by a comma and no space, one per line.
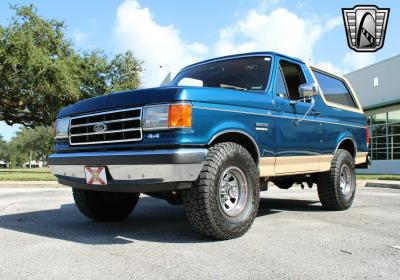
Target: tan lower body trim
(291,165)
(280,166)
(267,166)
(361,157)
(325,162)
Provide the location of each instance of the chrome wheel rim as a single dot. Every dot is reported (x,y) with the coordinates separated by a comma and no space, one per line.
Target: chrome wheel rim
(345,180)
(232,191)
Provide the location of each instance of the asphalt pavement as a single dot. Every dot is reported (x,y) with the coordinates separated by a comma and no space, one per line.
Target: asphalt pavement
(43,236)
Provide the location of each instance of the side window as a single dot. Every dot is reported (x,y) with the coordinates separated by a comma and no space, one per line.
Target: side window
(335,90)
(294,77)
(280,86)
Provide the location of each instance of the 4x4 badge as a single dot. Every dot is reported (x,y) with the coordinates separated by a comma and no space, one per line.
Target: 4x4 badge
(365,27)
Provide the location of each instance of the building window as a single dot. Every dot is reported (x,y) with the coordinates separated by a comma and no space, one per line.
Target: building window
(394,134)
(385,136)
(376,81)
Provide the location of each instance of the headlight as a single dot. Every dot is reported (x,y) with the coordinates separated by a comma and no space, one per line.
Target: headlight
(61,128)
(167,116)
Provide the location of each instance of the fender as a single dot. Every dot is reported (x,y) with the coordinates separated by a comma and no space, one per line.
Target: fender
(342,138)
(239,132)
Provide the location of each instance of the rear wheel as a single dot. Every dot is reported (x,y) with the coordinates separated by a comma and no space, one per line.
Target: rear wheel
(105,206)
(223,202)
(337,187)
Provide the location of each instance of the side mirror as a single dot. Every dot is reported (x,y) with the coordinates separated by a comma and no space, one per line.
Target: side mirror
(308,90)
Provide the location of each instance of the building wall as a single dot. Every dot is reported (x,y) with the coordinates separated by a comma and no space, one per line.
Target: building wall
(377,84)
(378,90)
(382,167)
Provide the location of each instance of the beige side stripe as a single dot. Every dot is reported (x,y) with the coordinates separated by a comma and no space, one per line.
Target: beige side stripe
(281,166)
(361,157)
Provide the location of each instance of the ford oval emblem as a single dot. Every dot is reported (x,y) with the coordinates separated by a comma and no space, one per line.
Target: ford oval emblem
(99,127)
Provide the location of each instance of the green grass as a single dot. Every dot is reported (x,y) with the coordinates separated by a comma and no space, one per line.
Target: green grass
(26,174)
(388,177)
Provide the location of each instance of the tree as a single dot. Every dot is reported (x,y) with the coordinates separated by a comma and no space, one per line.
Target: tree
(3,148)
(125,72)
(32,143)
(11,153)
(40,72)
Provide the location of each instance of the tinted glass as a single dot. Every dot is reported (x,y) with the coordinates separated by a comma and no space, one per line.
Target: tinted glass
(379,154)
(335,90)
(280,87)
(378,127)
(247,73)
(294,78)
(394,128)
(394,117)
(379,119)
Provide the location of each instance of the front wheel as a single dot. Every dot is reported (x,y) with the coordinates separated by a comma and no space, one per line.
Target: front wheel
(223,202)
(105,206)
(337,187)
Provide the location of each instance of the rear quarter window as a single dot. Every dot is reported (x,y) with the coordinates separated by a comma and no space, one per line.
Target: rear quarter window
(335,90)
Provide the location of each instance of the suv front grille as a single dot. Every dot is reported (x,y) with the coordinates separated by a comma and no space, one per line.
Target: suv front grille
(106,127)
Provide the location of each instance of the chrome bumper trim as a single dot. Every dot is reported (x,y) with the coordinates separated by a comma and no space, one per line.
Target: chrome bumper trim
(162,173)
(177,165)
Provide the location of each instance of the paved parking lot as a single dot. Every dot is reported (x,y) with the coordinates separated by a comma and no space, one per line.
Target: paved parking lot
(43,236)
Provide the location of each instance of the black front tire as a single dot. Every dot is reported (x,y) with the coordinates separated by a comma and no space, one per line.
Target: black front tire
(205,202)
(105,206)
(335,191)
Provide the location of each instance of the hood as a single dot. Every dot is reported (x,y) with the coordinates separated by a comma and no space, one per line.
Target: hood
(132,98)
(137,98)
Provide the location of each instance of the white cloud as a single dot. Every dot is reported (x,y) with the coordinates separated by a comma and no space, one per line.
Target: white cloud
(325,65)
(280,30)
(153,43)
(263,29)
(332,23)
(80,38)
(354,60)
(197,48)
(351,61)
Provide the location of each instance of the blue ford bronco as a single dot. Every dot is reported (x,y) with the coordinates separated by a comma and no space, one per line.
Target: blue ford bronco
(212,140)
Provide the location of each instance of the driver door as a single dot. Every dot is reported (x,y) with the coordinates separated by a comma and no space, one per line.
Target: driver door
(298,142)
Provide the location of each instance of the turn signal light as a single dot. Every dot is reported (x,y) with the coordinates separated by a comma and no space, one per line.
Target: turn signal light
(180,115)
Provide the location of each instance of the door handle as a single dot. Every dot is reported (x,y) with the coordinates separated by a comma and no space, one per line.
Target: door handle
(316,114)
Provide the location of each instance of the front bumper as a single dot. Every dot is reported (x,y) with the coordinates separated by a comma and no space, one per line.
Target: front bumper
(132,171)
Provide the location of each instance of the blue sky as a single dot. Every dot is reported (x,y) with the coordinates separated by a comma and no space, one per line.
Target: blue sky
(175,33)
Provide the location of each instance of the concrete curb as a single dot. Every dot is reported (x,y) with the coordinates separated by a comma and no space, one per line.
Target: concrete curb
(383,184)
(30,184)
(361,183)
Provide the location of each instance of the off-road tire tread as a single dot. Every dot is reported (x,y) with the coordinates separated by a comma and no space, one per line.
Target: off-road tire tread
(199,211)
(327,190)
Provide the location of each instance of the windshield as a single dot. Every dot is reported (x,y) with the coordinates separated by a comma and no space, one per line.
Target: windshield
(246,73)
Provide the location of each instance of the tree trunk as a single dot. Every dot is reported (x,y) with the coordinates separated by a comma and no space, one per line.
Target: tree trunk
(30,160)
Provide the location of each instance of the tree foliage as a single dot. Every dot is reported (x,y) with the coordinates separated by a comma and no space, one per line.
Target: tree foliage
(36,143)
(27,145)
(3,148)
(40,72)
